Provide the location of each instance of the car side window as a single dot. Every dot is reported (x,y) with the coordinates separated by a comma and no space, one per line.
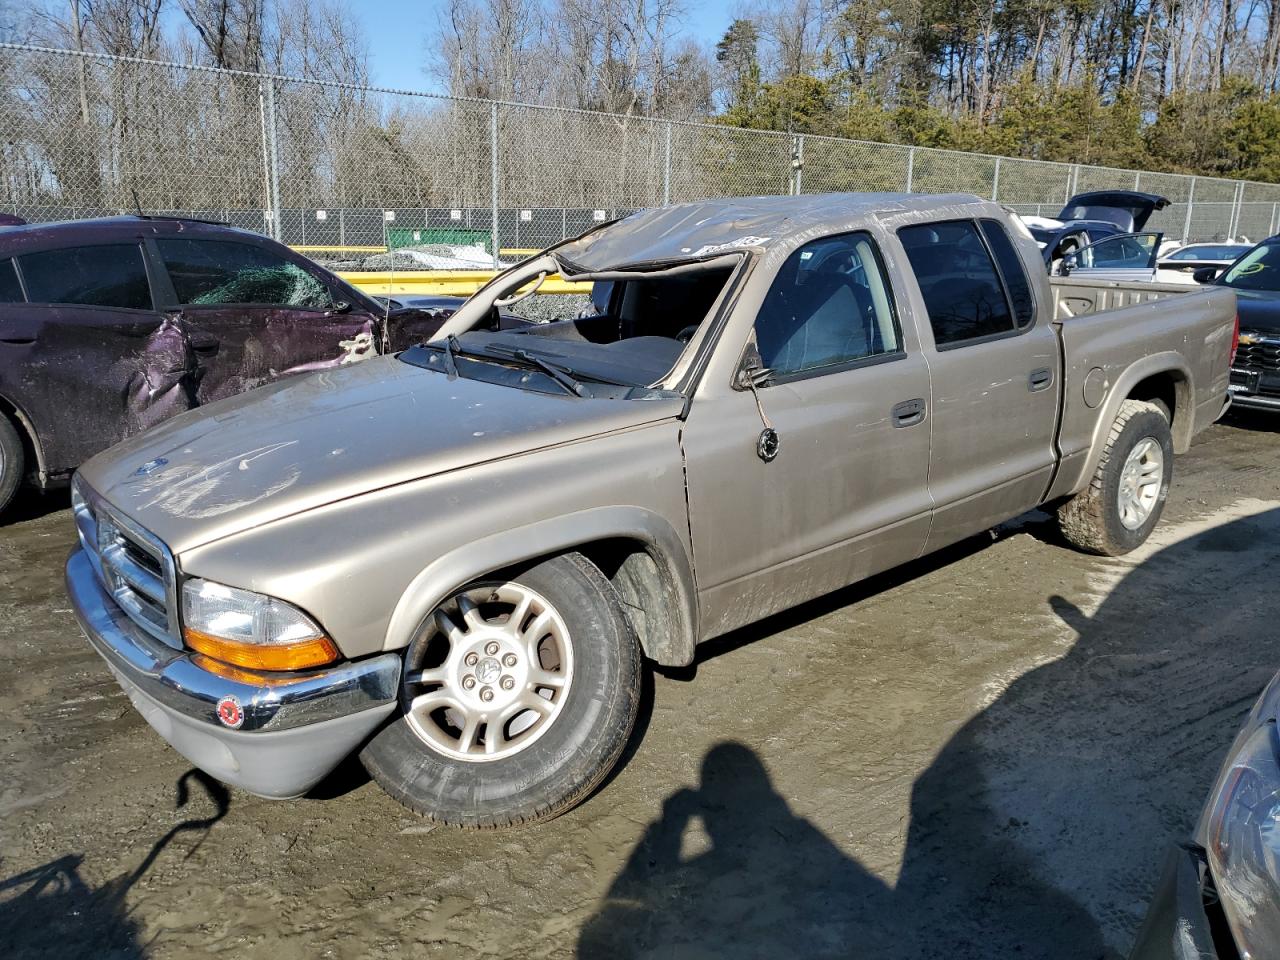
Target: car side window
(10,289)
(1012,270)
(1122,251)
(958,281)
(216,272)
(110,275)
(830,304)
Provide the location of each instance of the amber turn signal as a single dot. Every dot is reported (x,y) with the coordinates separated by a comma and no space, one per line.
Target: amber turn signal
(302,655)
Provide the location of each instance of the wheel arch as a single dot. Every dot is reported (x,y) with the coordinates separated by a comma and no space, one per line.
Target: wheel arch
(1160,376)
(637,550)
(31,445)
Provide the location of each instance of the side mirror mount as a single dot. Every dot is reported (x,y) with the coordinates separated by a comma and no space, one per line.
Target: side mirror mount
(1069,263)
(753,373)
(337,307)
(1205,275)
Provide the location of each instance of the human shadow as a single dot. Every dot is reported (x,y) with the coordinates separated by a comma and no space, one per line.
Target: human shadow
(768,882)
(51,911)
(1037,831)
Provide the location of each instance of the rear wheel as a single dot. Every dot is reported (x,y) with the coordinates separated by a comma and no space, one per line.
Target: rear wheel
(13,461)
(1123,502)
(517,699)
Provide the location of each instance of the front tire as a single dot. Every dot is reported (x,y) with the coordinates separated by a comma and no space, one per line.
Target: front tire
(517,699)
(1123,502)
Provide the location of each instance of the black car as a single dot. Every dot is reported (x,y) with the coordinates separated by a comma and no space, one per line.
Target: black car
(1089,217)
(1255,277)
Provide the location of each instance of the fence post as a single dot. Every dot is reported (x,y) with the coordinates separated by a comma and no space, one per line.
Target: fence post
(1235,210)
(493,180)
(911,167)
(666,168)
(277,228)
(1191,200)
(1271,229)
(995,182)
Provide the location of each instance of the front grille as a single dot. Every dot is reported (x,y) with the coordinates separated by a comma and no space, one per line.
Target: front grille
(135,567)
(1257,352)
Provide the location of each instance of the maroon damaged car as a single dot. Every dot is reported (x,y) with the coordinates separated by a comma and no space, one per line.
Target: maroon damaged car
(109,326)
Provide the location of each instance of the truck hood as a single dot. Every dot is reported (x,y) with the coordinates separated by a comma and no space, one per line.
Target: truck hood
(315,439)
(1259,311)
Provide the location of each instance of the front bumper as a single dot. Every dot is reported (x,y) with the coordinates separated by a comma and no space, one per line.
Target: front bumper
(295,729)
(1177,926)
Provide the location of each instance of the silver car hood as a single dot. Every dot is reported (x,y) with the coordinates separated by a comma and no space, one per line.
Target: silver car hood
(312,440)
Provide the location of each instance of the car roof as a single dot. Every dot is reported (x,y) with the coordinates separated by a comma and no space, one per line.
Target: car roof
(709,228)
(18,238)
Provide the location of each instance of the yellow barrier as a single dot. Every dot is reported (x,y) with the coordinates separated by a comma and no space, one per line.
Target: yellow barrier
(313,248)
(446,283)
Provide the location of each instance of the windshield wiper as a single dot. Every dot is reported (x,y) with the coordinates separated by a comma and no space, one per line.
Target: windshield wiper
(450,349)
(560,374)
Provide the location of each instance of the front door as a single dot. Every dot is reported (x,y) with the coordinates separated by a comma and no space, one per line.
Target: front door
(1130,256)
(846,495)
(253,315)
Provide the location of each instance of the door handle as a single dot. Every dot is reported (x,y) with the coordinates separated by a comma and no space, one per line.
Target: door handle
(908,413)
(1039,379)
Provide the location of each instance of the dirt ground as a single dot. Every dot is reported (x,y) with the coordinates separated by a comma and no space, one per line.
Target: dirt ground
(987,754)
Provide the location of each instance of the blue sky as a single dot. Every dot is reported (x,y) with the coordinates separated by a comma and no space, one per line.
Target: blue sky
(398,30)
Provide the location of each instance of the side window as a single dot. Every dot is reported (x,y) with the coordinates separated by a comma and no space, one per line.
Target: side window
(829,305)
(958,280)
(213,272)
(112,275)
(10,289)
(1012,270)
(1124,251)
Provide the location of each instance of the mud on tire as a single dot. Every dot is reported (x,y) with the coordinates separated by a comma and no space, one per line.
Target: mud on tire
(1092,519)
(450,765)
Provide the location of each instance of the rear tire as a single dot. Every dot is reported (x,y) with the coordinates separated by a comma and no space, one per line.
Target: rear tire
(13,461)
(460,750)
(1123,502)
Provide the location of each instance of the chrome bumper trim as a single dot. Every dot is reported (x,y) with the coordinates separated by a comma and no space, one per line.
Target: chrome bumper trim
(1254,401)
(171,678)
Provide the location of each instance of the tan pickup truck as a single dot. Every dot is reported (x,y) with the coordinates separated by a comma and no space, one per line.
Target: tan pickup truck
(455,559)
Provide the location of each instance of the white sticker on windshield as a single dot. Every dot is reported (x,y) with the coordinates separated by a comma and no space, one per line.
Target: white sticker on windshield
(731,245)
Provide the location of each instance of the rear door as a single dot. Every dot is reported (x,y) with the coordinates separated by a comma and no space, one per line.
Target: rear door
(255,315)
(1129,256)
(994,368)
(846,494)
(87,356)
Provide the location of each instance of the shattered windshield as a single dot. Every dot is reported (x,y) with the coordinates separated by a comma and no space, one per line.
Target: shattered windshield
(627,332)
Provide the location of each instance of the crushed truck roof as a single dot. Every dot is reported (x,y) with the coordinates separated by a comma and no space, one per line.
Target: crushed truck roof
(710,228)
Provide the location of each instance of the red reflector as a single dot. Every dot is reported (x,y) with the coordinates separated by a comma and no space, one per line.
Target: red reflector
(1235,340)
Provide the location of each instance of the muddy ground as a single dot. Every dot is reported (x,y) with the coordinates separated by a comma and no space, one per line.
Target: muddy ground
(984,755)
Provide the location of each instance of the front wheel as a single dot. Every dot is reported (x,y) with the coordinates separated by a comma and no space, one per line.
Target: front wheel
(517,698)
(1123,502)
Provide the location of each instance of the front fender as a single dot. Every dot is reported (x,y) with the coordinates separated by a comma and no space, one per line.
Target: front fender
(673,646)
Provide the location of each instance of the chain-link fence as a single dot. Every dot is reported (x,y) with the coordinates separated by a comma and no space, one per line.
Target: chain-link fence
(331,165)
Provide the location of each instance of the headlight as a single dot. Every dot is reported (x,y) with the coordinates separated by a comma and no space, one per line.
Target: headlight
(1244,842)
(248,629)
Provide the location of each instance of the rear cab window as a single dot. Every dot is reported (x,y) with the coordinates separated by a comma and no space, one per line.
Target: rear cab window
(209,273)
(967,297)
(108,275)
